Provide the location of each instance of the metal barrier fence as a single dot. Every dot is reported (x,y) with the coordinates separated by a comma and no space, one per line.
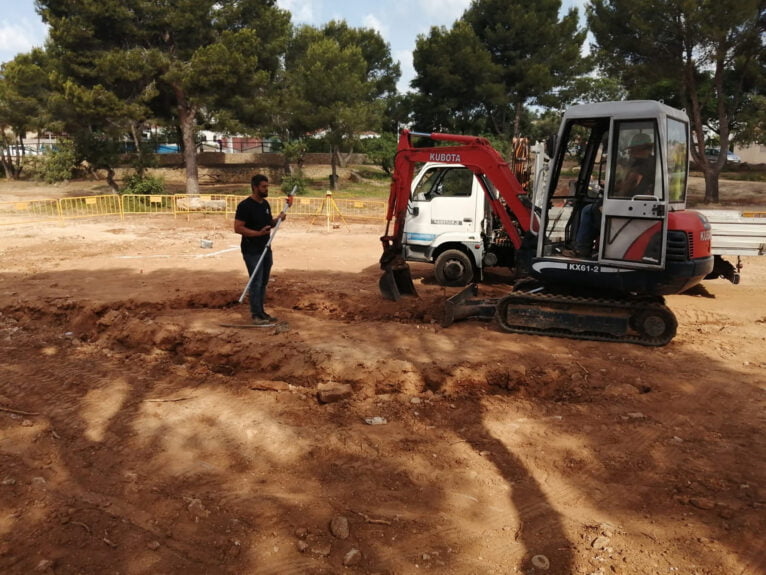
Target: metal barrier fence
(29,212)
(205,204)
(90,206)
(145,205)
(327,208)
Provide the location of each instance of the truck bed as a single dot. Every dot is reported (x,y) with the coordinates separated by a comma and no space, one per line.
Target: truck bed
(737,232)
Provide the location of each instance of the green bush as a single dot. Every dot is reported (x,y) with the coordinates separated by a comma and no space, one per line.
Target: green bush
(316,146)
(289,182)
(381,151)
(147,185)
(294,151)
(57,165)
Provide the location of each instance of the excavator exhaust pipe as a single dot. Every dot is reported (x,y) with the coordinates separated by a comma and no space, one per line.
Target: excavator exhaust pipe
(396,280)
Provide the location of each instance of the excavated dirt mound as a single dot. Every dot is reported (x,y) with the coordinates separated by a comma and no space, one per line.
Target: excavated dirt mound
(139,435)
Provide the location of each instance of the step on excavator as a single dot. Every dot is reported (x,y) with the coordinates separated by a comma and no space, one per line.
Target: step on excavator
(592,248)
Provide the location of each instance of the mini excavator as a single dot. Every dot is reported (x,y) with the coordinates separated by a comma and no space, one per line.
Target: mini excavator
(646,243)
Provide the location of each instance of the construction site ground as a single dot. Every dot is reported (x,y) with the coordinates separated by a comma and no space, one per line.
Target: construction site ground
(140,436)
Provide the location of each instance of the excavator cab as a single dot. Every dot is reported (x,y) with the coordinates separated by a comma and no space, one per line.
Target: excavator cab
(615,201)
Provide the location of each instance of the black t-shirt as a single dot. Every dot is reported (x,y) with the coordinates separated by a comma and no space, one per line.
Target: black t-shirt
(638,179)
(256,216)
(645,168)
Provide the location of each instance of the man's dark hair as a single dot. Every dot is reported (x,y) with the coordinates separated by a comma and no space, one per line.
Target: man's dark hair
(257,179)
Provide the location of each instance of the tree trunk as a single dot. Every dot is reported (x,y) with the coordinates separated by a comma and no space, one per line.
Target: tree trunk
(186,121)
(711,170)
(12,166)
(334,165)
(5,161)
(711,185)
(141,168)
(345,158)
(111,181)
(519,108)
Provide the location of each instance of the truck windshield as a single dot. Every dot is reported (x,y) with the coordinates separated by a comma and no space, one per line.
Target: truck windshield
(447,182)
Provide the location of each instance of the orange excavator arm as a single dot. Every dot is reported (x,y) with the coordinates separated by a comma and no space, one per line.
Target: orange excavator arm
(476,154)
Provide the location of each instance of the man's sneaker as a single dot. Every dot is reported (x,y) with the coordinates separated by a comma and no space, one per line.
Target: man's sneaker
(262,321)
(271,318)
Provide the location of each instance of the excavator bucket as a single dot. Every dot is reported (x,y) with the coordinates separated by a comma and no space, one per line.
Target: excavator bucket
(396,280)
(465,304)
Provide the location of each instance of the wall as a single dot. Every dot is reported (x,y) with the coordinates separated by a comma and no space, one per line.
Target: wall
(222,168)
(753,154)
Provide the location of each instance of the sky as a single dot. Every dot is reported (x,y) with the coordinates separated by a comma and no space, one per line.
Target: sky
(399,22)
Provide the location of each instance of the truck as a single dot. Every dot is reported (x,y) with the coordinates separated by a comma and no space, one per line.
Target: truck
(466,211)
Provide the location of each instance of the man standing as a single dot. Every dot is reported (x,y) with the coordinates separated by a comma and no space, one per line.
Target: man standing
(253,221)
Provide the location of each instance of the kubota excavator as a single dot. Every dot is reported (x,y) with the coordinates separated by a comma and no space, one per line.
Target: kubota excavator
(644,243)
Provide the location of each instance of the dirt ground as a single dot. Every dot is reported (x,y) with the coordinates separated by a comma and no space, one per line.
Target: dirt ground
(139,436)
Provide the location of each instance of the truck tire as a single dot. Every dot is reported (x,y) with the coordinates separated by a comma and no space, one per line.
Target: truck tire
(453,269)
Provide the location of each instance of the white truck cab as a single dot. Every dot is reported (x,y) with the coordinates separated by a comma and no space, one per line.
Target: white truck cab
(448,222)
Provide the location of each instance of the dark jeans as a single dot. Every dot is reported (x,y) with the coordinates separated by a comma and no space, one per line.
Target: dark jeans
(588,229)
(261,279)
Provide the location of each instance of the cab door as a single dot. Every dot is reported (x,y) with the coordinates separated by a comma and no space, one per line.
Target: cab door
(634,211)
(443,207)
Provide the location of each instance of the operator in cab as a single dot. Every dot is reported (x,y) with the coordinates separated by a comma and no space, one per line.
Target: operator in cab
(634,178)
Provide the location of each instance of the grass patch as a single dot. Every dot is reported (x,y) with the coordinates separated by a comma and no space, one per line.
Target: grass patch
(744,176)
(370,173)
(362,187)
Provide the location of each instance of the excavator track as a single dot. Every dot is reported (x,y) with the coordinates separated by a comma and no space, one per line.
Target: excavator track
(644,321)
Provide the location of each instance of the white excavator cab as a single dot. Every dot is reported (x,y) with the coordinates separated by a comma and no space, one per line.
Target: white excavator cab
(618,170)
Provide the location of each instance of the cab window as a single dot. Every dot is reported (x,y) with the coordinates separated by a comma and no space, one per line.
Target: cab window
(678,152)
(636,172)
(445,182)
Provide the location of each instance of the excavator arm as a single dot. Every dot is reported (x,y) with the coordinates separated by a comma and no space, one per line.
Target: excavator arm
(476,154)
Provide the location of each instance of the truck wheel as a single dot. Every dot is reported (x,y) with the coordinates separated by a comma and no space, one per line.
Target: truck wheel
(453,268)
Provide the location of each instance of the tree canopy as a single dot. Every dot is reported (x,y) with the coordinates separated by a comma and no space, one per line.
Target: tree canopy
(24,90)
(338,80)
(499,58)
(187,61)
(456,83)
(707,57)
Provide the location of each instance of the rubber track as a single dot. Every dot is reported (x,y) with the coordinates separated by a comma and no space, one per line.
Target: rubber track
(588,304)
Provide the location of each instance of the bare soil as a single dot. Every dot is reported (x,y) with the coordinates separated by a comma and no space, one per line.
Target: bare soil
(138,435)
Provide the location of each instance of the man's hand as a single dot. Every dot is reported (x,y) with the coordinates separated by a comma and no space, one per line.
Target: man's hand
(282,216)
